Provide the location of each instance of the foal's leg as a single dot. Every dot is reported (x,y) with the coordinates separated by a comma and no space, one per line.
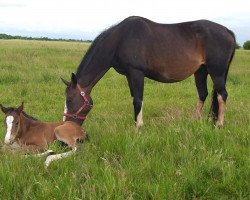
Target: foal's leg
(136,85)
(46,153)
(201,85)
(34,149)
(51,158)
(68,138)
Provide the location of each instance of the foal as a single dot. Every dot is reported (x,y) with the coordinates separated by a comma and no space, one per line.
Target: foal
(29,134)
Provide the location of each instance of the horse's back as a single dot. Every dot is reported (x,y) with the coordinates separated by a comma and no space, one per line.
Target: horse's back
(141,28)
(170,52)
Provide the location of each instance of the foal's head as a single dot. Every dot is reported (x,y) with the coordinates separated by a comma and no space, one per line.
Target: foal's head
(78,102)
(11,122)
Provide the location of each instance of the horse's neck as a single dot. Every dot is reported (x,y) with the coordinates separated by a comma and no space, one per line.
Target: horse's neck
(89,80)
(96,63)
(25,124)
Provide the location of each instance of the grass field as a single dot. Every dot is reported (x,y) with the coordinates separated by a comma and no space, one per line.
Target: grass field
(172,157)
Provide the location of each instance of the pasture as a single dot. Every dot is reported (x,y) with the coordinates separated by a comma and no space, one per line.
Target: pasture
(173,156)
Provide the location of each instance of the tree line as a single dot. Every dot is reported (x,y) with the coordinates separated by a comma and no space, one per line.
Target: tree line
(10,37)
(246,44)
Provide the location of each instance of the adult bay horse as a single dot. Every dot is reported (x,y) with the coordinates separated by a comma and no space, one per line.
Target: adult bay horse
(138,48)
(28,134)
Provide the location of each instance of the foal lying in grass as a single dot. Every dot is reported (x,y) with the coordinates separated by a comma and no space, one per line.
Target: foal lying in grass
(29,134)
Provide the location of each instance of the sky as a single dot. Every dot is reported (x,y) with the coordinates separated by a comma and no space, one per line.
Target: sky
(81,19)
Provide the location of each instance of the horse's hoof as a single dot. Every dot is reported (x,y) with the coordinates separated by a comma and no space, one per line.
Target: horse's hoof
(48,160)
(219,124)
(138,124)
(197,115)
(51,152)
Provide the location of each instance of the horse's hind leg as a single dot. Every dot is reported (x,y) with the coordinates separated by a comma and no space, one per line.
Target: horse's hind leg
(201,85)
(218,73)
(219,100)
(136,85)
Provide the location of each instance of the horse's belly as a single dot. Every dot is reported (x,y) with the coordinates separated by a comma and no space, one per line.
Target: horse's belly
(174,70)
(179,73)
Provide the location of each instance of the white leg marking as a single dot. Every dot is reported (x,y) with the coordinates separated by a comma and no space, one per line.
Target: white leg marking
(222,106)
(65,111)
(48,152)
(198,110)
(139,119)
(9,121)
(51,158)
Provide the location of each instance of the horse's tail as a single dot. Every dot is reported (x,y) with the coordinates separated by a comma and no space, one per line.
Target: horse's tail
(232,54)
(215,104)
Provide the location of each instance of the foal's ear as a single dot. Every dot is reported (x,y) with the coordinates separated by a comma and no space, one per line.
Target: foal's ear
(73,79)
(20,109)
(4,110)
(65,82)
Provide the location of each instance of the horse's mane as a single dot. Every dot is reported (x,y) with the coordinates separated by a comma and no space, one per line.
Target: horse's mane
(11,109)
(29,116)
(88,56)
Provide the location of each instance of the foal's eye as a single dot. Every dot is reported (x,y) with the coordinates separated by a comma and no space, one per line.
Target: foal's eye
(16,124)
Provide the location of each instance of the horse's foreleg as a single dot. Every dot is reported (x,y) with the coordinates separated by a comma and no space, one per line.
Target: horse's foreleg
(136,85)
(201,85)
(34,151)
(46,153)
(52,158)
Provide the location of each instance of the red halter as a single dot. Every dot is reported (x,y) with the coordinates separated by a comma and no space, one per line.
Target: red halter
(85,104)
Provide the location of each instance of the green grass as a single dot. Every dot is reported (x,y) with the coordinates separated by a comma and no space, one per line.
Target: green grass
(172,157)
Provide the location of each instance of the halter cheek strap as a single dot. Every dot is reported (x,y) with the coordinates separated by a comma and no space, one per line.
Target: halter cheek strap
(85,104)
(74,116)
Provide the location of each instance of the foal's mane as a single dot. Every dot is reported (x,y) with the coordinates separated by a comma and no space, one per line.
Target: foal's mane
(29,116)
(24,113)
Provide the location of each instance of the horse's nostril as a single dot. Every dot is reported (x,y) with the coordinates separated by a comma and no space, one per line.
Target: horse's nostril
(9,142)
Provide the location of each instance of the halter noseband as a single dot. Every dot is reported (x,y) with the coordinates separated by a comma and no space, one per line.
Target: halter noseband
(85,104)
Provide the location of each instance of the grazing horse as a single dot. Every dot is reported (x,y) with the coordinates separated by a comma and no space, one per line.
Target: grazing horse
(29,134)
(138,48)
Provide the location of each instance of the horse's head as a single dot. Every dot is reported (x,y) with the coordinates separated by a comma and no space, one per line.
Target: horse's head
(11,122)
(78,101)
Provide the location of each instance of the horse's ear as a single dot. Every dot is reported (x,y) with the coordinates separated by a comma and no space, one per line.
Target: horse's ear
(20,108)
(65,82)
(4,110)
(73,79)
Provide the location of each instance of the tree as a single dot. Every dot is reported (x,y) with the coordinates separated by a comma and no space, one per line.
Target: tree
(237,46)
(246,45)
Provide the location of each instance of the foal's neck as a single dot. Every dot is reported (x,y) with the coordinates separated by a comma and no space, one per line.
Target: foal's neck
(26,122)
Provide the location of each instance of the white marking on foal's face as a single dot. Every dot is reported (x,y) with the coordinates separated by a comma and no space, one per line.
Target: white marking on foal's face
(9,123)
(65,111)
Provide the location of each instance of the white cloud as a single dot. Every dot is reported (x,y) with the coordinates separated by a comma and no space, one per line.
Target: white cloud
(86,17)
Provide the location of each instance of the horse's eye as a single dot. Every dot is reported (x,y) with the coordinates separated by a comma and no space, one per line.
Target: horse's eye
(16,124)
(69,101)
